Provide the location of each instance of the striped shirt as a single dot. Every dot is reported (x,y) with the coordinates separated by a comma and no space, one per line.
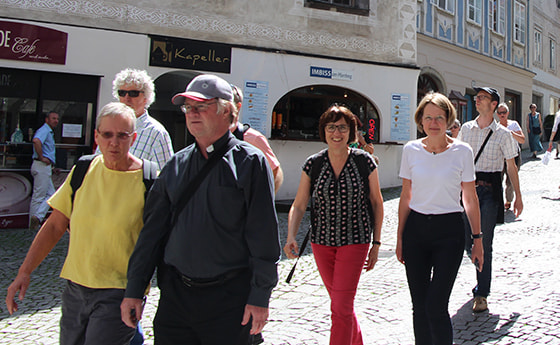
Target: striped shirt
(500,146)
(153,142)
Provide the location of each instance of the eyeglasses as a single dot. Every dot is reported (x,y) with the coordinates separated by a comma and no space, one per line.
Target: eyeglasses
(502,112)
(341,128)
(185,108)
(481,97)
(131,93)
(120,135)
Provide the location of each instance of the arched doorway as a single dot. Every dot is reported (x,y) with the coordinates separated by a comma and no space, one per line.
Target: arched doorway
(167,85)
(296,115)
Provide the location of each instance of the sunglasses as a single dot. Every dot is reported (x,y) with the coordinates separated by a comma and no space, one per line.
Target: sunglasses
(341,128)
(120,135)
(131,93)
(502,112)
(454,127)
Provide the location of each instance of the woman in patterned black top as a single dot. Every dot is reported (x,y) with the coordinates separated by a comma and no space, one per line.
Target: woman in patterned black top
(347,213)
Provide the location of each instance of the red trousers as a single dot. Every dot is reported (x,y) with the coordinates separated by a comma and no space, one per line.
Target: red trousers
(340,269)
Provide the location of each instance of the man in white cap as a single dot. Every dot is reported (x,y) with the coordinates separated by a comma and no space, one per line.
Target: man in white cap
(217,252)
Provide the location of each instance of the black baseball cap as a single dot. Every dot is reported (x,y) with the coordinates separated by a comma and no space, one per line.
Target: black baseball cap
(493,92)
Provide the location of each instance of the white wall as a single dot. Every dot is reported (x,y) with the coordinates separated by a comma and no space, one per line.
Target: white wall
(105,53)
(287,72)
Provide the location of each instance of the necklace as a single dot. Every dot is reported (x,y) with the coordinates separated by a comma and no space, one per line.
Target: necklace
(435,149)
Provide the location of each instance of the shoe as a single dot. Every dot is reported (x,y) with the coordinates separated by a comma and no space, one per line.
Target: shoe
(480,304)
(534,156)
(34,223)
(507,205)
(256,339)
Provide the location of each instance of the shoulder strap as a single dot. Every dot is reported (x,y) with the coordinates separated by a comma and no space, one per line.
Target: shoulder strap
(150,173)
(196,181)
(80,170)
(483,145)
(240,131)
(363,168)
(316,168)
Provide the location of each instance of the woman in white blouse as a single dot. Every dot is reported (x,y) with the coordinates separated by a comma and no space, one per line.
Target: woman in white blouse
(435,170)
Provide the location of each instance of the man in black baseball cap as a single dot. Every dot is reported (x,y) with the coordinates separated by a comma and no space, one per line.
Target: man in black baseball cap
(498,146)
(223,239)
(494,94)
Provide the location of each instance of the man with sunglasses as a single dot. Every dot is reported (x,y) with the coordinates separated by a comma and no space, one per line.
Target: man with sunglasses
(105,218)
(217,253)
(499,146)
(135,88)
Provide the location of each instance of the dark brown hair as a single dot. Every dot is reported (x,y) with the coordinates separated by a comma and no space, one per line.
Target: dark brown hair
(333,114)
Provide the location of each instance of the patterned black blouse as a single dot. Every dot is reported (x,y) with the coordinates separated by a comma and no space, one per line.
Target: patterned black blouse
(340,214)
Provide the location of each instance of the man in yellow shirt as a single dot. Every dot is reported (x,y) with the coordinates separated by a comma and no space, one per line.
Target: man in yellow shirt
(104,230)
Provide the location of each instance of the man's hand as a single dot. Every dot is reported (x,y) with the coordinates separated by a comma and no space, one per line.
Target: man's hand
(131,311)
(517,206)
(21,283)
(259,315)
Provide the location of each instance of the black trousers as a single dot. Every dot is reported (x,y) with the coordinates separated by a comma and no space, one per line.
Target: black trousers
(201,316)
(433,250)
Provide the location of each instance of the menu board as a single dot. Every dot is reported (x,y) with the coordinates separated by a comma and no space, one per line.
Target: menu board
(400,117)
(255,104)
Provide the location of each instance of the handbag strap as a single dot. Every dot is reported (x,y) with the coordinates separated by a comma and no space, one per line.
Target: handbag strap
(195,182)
(483,145)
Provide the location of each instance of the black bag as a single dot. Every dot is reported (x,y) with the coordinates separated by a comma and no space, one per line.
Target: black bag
(536,130)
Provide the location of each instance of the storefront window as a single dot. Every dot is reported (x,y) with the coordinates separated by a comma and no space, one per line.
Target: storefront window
(26,96)
(296,115)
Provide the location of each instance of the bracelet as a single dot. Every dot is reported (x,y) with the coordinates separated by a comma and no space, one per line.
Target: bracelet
(476,236)
(374,242)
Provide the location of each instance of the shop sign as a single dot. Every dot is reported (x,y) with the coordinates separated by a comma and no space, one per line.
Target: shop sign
(330,73)
(25,42)
(190,54)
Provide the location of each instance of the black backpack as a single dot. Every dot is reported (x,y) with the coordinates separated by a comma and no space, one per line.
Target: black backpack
(149,168)
(240,131)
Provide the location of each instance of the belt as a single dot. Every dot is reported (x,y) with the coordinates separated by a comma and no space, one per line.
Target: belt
(38,160)
(208,282)
(483,183)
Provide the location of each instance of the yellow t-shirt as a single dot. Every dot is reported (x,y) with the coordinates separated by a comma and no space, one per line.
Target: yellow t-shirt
(104,224)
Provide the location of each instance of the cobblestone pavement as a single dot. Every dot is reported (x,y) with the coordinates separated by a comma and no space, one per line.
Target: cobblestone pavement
(524,307)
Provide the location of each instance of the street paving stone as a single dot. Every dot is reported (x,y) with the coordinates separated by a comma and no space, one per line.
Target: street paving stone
(524,306)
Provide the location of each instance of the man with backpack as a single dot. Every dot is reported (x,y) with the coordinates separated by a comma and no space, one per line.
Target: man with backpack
(252,136)
(103,233)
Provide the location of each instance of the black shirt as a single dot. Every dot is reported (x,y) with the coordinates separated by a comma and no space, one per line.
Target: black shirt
(229,223)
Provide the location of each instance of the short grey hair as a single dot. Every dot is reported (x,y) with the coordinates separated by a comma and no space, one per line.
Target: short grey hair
(115,109)
(139,79)
(503,105)
(225,104)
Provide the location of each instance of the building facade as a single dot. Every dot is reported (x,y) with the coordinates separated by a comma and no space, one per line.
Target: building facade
(467,43)
(545,35)
(292,59)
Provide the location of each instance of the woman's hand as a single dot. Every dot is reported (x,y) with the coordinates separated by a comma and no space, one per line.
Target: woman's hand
(398,252)
(372,257)
(291,249)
